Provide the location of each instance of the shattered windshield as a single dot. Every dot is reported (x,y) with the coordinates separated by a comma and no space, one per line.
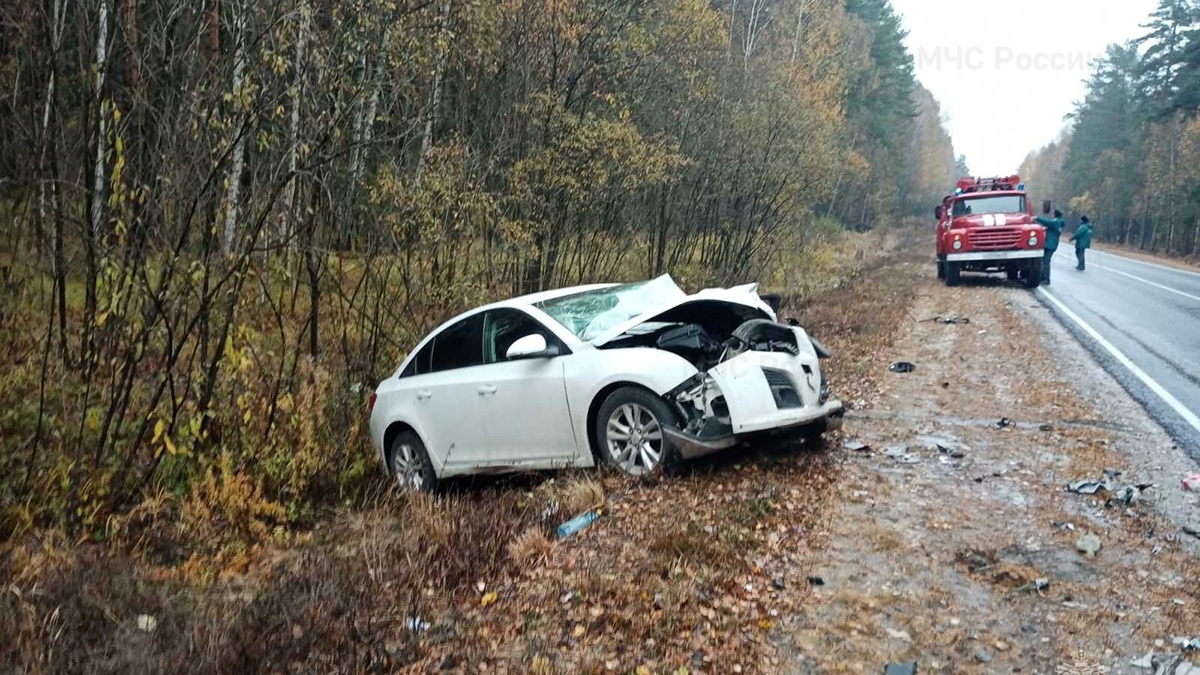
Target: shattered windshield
(590,314)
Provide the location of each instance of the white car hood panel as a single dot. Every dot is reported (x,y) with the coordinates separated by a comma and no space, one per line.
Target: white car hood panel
(742,296)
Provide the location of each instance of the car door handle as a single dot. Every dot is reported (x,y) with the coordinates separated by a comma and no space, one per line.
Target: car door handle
(424,395)
(487,390)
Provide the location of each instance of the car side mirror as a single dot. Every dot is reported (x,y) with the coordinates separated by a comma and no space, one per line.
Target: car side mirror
(531,347)
(937,212)
(1046,207)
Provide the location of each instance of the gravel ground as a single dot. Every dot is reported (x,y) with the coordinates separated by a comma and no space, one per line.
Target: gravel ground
(970,564)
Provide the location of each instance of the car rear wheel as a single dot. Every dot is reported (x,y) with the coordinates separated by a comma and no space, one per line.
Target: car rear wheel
(410,465)
(953,273)
(629,430)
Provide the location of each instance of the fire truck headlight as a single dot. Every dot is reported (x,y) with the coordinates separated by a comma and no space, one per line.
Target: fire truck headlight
(958,244)
(1033,240)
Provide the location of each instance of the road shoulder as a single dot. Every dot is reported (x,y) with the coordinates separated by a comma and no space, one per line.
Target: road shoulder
(970,564)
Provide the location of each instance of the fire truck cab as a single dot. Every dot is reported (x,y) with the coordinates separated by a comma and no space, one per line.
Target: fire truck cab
(987,225)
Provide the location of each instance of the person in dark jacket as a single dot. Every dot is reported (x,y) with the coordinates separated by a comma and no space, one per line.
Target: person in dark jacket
(1054,227)
(1083,241)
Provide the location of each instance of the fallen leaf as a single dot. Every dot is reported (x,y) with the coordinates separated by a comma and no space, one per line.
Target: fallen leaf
(488,598)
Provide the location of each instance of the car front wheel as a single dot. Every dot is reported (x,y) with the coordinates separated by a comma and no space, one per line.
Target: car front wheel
(629,430)
(410,465)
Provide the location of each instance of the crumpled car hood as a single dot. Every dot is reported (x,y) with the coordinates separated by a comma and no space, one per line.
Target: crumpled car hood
(671,303)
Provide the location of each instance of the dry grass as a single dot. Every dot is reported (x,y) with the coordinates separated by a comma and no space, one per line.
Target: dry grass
(658,580)
(531,547)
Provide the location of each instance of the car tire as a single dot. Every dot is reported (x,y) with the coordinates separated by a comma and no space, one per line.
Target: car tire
(409,464)
(1033,274)
(1013,272)
(629,432)
(953,273)
(941,269)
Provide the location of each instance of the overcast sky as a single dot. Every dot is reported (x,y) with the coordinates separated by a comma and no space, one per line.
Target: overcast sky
(1006,73)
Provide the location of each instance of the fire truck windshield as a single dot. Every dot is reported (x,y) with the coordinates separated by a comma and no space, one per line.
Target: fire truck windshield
(982,204)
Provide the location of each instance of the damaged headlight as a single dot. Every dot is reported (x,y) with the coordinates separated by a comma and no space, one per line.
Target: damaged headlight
(824,391)
(702,398)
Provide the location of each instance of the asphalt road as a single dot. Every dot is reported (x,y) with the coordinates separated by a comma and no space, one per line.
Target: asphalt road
(1142,323)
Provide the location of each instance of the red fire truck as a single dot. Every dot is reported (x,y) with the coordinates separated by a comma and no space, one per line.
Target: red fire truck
(987,225)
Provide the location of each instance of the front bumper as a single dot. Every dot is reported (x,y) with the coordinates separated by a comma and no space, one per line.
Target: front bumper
(692,446)
(993,255)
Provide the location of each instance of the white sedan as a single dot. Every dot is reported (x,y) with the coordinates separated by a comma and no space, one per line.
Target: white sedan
(636,375)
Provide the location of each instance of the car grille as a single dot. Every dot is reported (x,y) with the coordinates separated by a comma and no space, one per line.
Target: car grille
(782,389)
(995,238)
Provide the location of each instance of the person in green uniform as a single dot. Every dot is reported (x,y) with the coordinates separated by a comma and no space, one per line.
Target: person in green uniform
(1083,241)
(1054,227)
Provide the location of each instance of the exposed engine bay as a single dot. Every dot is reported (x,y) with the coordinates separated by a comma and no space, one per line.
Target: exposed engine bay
(709,333)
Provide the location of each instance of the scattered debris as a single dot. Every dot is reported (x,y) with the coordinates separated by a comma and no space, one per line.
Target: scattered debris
(1146,662)
(1191,531)
(1188,645)
(1088,544)
(415,624)
(1090,487)
(1037,585)
(1004,423)
(577,523)
(950,450)
(899,635)
(1192,483)
(1046,427)
(950,320)
(902,367)
(895,451)
(816,581)
(983,657)
(976,561)
(1128,495)
(900,669)
(146,623)
(856,446)
(1063,526)
(779,584)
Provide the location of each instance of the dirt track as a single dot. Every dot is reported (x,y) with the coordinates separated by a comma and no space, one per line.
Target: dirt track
(933,558)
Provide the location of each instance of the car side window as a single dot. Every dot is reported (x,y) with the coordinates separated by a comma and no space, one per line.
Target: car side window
(459,346)
(420,363)
(503,327)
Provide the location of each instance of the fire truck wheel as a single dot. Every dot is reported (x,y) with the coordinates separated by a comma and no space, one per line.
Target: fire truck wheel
(1013,272)
(941,269)
(1033,273)
(953,273)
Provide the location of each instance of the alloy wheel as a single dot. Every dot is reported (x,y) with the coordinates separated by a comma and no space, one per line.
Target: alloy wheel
(635,439)
(407,468)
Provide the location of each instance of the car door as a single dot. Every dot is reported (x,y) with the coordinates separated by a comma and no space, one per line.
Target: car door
(444,385)
(523,403)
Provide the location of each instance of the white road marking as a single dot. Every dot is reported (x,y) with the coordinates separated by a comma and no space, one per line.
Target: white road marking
(1167,268)
(1188,416)
(1147,281)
